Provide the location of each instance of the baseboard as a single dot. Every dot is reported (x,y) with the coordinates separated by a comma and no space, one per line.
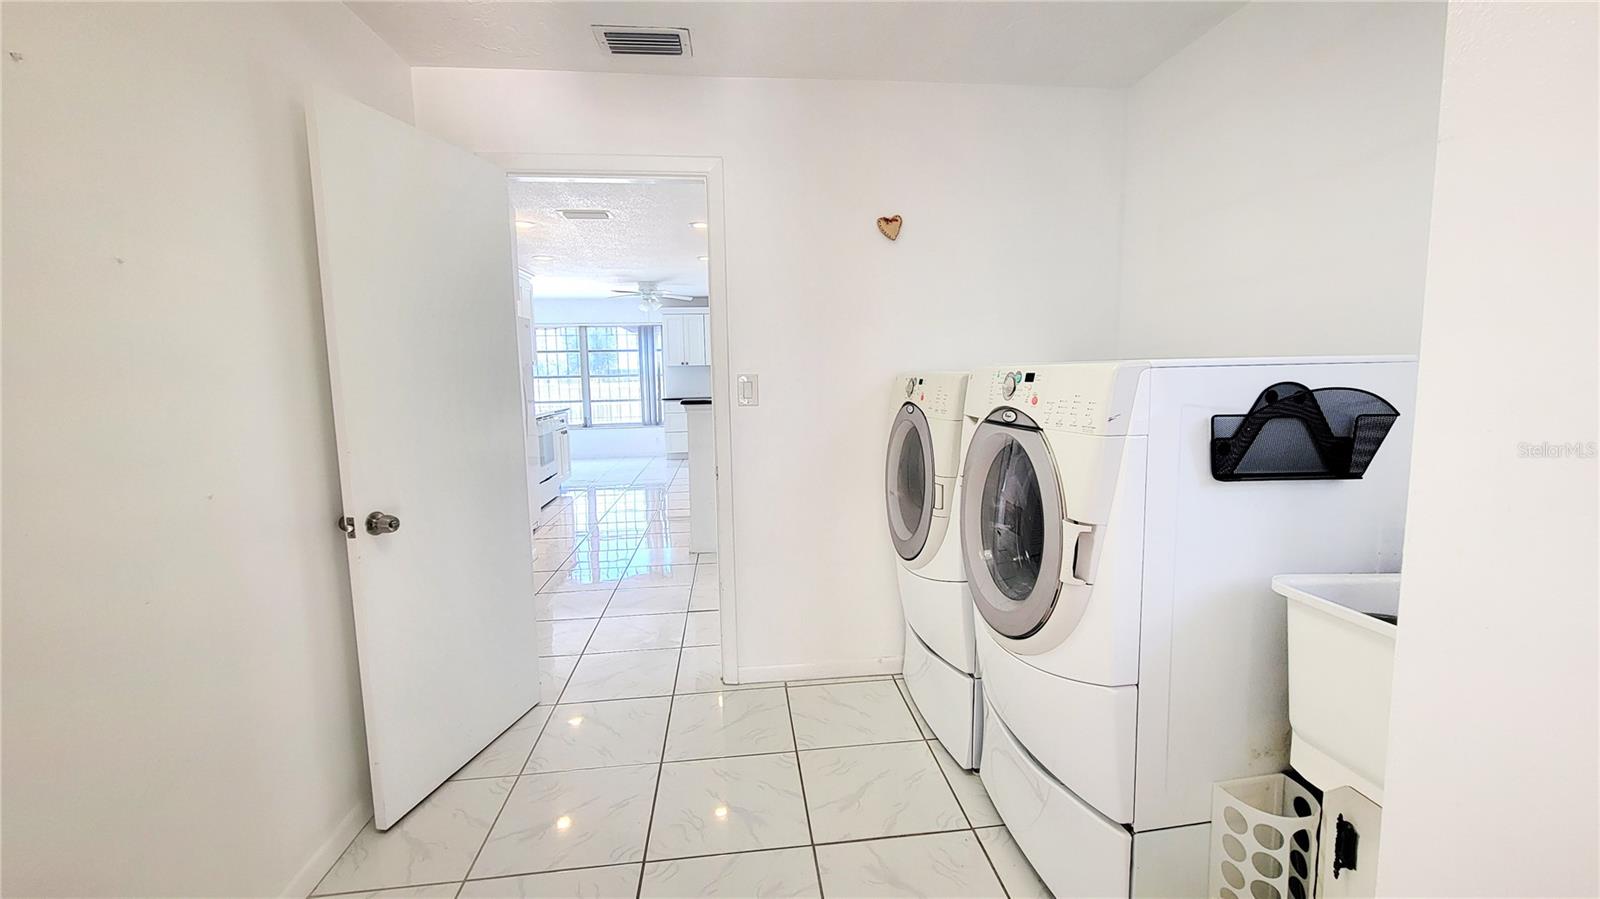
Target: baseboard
(311,873)
(760,674)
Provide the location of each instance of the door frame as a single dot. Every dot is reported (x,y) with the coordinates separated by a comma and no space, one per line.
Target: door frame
(709,170)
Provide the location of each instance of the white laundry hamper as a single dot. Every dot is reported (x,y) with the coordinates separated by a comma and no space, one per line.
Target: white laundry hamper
(1263,838)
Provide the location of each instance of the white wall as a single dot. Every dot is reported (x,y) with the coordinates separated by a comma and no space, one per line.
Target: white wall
(1279,171)
(181,714)
(1010,197)
(1493,744)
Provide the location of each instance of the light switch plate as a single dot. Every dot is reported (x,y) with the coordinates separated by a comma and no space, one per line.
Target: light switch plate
(749,390)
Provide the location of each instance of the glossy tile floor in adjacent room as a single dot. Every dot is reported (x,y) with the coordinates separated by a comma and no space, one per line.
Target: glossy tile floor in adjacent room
(650,777)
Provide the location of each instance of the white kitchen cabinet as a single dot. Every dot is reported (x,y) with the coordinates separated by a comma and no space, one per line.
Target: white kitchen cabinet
(677,427)
(702,478)
(686,337)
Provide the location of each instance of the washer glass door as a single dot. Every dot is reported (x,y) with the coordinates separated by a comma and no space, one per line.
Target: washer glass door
(909,480)
(1011,526)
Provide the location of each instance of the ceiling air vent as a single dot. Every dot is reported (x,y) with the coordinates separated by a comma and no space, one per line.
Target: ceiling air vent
(584,214)
(629,40)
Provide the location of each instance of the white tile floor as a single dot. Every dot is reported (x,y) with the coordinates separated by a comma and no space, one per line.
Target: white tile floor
(650,777)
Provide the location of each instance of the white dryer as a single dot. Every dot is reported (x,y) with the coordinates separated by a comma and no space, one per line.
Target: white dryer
(920,484)
(1131,650)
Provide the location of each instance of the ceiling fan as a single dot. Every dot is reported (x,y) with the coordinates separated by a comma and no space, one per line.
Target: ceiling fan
(650,295)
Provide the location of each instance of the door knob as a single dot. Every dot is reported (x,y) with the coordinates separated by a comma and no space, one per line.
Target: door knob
(379,523)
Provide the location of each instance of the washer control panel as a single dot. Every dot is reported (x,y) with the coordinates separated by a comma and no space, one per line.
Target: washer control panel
(938,394)
(1081,398)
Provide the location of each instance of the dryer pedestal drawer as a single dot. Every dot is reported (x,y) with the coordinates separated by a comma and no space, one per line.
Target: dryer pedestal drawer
(949,700)
(941,614)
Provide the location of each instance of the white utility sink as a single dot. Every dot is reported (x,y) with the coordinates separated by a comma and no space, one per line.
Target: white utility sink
(1341,664)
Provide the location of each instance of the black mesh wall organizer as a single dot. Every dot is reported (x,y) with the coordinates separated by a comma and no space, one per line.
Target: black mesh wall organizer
(1295,433)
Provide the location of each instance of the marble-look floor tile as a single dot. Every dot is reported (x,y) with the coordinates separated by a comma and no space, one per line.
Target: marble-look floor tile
(700,671)
(623,675)
(969,789)
(614,882)
(935,866)
(643,631)
(552,555)
(431,891)
(860,792)
(746,875)
(741,722)
(728,805)
(648,601)
(565,637)
(707,573)
(677,528)
(658,576)
(554,672)
(506,755)
(602,734)
(562,530)
(434,842)
(600,563)
(705,629)
(916,714)
(571,579)
(850,714)
(571,819)
(852,679)
(572,604)
(1018,876)
(653,556)
(705,598)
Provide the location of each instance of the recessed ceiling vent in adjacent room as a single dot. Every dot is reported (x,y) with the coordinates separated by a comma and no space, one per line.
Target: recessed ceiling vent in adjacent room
(584,214)
(631,40)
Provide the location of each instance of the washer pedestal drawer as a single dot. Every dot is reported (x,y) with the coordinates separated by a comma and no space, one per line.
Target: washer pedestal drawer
(949,699)
(1076,850)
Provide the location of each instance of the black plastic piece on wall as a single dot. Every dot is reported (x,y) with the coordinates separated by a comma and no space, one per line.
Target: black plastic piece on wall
(1294,433)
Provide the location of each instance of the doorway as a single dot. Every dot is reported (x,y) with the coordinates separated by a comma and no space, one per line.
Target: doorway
(615,309)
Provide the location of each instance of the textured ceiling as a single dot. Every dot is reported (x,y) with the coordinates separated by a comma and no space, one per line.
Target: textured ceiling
(1085,44)
(647,238)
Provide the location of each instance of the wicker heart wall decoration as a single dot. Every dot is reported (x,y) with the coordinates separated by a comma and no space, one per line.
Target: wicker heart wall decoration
(890,226)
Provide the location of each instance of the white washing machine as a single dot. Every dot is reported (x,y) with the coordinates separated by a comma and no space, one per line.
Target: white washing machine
(921,482)
(1131,649)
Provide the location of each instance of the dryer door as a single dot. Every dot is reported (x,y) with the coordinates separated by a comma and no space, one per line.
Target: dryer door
(1011,524)
(909,481)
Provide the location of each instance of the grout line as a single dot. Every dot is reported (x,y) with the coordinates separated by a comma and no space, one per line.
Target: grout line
(959,804)
(515,781)
(661,764)
(816,865)
(409,886)
(805,804)
(947,784)
(992,866)
(697,758)
(341,858)
(897,836)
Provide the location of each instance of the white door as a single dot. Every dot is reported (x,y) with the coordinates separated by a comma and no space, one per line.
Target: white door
(415,244)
